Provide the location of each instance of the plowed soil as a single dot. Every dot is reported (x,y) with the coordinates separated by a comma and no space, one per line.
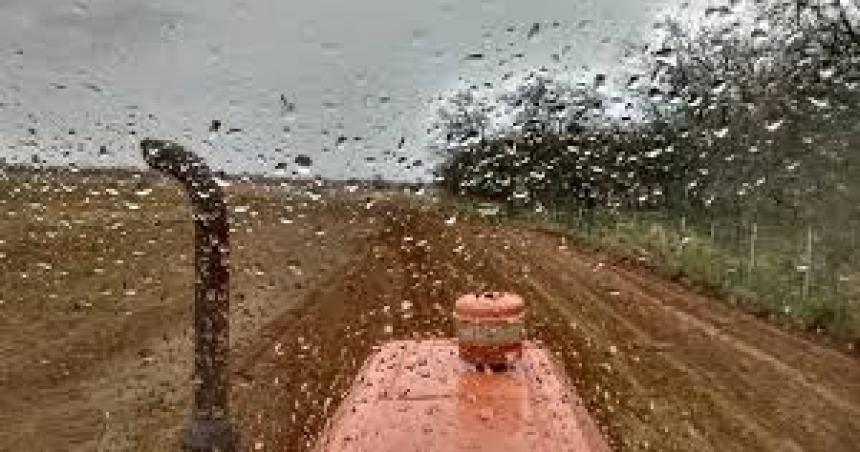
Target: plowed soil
(100,361)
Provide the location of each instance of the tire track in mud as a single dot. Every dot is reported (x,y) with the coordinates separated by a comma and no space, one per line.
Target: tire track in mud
(660,367)
(700,395)
(789,413)
(631,405)
(805,355)
(841,392)
(798,359)
(700,399)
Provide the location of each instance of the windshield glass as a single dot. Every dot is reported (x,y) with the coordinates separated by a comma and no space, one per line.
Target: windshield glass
(215,217)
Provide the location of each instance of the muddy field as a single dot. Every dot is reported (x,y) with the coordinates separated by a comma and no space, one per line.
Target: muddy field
(95,324)
(96,292)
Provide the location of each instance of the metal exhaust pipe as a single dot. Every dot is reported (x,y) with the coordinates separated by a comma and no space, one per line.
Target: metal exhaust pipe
(209,427)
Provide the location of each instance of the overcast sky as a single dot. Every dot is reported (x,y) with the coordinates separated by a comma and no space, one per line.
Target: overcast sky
(82,74)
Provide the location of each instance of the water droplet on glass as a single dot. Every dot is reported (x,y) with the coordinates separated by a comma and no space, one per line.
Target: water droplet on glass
(304,163)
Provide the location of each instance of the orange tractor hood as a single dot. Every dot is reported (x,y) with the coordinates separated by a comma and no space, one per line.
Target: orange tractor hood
(420,396)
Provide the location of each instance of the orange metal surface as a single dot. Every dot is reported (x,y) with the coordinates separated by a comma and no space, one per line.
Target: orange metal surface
(419,396)
(490,355)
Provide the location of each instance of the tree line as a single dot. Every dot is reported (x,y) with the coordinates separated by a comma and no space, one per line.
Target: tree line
(752,107)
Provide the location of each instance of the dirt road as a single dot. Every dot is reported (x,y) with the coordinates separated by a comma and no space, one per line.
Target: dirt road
(95,346)
(660,366)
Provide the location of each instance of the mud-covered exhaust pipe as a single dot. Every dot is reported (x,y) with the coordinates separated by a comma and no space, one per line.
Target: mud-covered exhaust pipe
(209,427)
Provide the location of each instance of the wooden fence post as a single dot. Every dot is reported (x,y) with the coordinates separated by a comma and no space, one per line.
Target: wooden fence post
(682,235)
(753,237)
(807,277)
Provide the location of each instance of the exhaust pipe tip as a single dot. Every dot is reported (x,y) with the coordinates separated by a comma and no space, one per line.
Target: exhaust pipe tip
(170,157)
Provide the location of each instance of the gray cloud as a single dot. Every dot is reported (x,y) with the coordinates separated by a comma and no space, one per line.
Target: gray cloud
(354,69)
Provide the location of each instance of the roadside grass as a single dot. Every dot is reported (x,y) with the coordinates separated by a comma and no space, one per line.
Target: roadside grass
(774,285)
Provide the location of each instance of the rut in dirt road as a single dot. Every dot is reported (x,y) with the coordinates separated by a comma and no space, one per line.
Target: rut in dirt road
(689,372)
(660,367)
